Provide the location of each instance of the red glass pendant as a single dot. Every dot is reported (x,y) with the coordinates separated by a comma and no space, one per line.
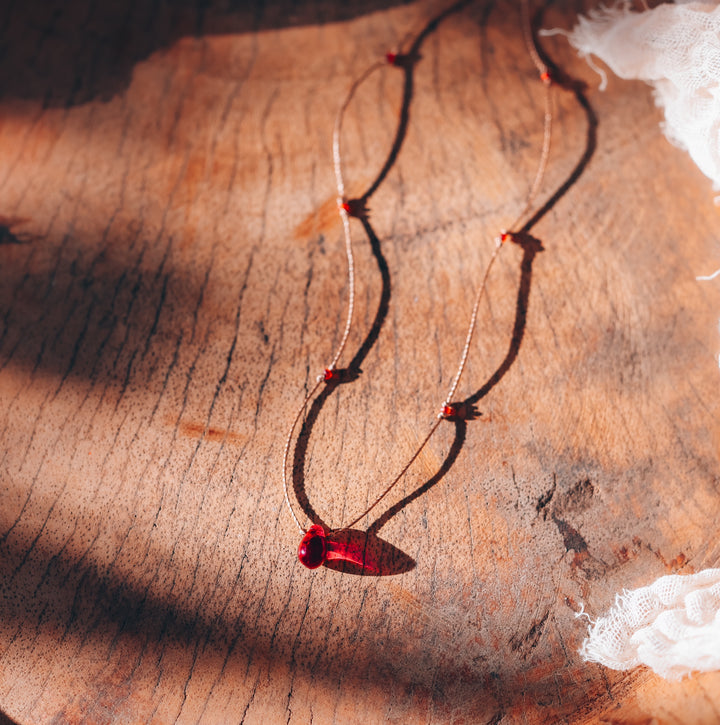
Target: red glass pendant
(312,551)
(316,548)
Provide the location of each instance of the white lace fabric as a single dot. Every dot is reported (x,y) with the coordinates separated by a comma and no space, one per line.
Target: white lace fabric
(674,47)
(672,626)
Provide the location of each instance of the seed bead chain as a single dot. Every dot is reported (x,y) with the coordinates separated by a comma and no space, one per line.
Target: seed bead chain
(330,373)
(344,210)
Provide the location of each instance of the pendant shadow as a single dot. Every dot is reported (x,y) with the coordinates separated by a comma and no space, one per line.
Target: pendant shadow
(379,557)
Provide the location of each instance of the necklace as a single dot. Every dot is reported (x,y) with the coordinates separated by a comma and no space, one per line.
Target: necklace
(320,544)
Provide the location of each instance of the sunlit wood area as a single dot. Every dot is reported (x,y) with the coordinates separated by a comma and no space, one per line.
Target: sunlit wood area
(172,281)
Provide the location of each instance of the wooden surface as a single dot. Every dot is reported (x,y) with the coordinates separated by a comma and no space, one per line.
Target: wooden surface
(172,280)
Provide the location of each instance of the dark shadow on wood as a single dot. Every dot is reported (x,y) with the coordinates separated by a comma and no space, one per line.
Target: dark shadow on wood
(577,88)
(531,246)
(408,61)
(379,558)
(7,237)
(9,232)
(66,52)
(5,720)
(76,598)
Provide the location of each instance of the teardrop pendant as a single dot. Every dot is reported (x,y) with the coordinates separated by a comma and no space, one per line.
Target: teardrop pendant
(312,551)
(317,547)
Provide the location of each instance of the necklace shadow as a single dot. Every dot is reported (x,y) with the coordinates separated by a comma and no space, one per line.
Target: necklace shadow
(379,557)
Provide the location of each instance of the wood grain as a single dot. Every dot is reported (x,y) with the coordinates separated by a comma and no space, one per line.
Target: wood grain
(172,280)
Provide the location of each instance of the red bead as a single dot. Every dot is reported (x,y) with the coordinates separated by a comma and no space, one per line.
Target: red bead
(449,411)
(504,236)
(545,78)
(312,551)
(345,207)
(330,375)
(391,58)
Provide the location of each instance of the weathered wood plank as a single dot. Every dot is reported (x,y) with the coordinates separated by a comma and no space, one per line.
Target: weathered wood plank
(172,276)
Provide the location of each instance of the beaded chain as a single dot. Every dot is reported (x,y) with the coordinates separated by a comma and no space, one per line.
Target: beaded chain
(317,545)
